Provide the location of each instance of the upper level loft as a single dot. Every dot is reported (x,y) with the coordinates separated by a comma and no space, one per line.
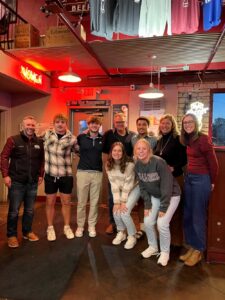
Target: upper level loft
(54,35)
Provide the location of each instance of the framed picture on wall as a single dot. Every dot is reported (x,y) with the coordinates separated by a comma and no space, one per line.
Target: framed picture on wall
(13,5)
(121,108)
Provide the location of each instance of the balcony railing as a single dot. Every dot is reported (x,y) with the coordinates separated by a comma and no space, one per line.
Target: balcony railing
(8,20)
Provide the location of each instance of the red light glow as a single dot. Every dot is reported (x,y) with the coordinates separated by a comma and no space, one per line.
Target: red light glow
(30,75)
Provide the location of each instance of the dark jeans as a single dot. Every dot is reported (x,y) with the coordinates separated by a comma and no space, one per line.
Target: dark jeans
(19,193)
(197,189)
(111,204)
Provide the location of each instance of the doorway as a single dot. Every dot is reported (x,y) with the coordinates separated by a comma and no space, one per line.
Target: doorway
(5,130)
(78,117)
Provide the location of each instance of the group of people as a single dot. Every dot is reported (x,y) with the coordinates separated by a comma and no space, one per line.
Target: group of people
(144,171)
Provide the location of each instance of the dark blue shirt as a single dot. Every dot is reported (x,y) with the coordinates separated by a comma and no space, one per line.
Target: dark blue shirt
(90,152)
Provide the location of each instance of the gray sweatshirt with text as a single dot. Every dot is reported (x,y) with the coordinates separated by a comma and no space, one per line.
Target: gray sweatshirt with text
(156,179)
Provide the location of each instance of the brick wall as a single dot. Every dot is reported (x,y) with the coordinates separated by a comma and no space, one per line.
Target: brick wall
(192,92)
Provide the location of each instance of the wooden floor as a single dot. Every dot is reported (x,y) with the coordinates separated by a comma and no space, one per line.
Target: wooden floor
(92,268)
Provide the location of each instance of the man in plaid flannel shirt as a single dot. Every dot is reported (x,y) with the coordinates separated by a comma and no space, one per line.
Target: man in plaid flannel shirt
(59,144)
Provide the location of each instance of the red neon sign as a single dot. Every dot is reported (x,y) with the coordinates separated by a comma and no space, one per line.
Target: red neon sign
(30,75)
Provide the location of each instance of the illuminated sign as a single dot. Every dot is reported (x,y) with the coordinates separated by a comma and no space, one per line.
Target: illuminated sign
(198,109)
(30,75)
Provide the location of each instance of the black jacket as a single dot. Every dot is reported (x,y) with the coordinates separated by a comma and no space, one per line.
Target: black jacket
(23,159)
(174,153)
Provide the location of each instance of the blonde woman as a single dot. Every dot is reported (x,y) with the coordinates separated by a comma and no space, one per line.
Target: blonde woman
(120,171)
(174,153)
(161,194)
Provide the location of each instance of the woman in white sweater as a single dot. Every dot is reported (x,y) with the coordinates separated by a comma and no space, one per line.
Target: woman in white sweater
(120,171)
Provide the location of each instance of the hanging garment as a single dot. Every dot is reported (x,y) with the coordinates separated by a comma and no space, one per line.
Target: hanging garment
(185,16)
(154,16)
(126,17)
(211,13)
(101,17)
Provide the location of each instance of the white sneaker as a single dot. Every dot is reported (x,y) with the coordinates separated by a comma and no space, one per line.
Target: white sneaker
(79,232)
(121,236)
(149,252)
(92,231)
(51,234)
(131,242)
(68,232)
(163,259)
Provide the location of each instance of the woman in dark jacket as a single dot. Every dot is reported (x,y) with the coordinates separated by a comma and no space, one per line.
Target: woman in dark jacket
(174,153)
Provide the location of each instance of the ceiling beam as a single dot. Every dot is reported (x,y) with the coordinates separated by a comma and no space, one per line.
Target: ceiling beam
(126,80)
(56,6)
(214,50)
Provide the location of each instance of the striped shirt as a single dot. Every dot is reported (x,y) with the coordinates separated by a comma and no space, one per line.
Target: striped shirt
(121,183)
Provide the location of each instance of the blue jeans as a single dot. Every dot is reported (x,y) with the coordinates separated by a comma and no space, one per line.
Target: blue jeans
(163,224)
(18,193)
(197,188)
(124,220)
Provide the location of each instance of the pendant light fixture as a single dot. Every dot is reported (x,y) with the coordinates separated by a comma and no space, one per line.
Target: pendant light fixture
(152,92)
(69,76)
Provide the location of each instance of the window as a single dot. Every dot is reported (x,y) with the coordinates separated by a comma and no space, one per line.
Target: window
(218,119)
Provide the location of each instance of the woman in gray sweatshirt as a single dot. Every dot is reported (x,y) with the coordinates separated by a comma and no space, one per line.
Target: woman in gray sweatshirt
(161,194)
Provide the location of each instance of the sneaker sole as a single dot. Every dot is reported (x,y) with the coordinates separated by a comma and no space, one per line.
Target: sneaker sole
(130,247)
(69,238)
(26,238)
(154,254)
(79,235)
(51,240)
(92,235)
(119,242)
(160,264)
(10,246)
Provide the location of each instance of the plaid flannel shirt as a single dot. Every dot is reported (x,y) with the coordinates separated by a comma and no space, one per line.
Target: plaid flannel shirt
(58,161)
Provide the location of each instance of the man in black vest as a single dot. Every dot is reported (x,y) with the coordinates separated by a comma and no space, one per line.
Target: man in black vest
(22,167)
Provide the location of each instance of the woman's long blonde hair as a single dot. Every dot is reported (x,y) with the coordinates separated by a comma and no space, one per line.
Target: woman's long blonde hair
(175,131)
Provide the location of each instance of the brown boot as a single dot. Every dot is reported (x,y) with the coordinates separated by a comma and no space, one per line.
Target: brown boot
(186,255)
(110,229)
(31,236)
(193,259)
(13,242)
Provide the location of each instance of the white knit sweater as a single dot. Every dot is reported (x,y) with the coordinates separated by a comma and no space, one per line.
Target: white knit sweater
(121,183)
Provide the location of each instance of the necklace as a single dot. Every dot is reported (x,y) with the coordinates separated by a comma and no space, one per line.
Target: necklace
(162,148)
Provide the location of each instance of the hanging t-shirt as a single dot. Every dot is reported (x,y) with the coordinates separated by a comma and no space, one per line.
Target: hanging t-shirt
(185,16)
(154,16)
(211,13)
(126,17)
(101,17)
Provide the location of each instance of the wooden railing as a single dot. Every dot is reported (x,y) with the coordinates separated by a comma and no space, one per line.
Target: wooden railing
(8,20)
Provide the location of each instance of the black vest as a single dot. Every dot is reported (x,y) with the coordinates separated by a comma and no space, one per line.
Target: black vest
(26,159)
